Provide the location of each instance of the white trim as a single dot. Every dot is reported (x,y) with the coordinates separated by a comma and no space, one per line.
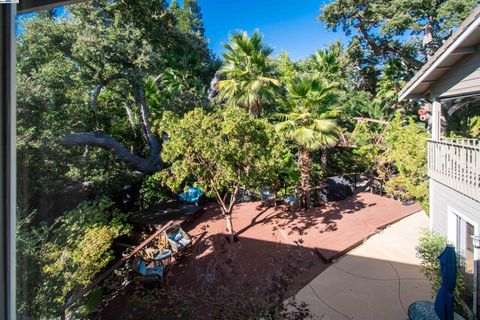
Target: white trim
(431,184)
(454,212)
(471,28)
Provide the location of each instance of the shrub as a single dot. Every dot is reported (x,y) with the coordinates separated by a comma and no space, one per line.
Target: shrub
(431,245)
(152,191)
(68,255)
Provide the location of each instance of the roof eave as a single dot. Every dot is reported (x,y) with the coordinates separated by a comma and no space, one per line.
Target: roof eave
(465,30)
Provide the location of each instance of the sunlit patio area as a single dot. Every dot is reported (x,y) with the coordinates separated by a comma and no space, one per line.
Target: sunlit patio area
(377,280)
(274,242)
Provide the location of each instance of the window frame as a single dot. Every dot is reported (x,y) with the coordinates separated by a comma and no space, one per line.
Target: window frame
(8,160)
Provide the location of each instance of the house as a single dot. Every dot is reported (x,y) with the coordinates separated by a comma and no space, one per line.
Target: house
(450,80)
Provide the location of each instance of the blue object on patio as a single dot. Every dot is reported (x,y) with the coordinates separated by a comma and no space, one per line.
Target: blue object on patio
(448,270)
(425,310)
(290,199)
(140,267)
(177,238)
(443,307)
(191,196)
(162,255)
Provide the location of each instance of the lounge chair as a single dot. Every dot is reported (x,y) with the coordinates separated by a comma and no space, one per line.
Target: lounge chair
(177,238)
(193,195)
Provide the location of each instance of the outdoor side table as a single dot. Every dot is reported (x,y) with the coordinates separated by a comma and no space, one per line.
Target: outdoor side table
(425,310)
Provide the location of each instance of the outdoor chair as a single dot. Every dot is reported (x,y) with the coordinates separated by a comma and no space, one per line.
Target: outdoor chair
(177,238)
(269,198)
(141,267)
(243,195)
(159,251)
(293,201)
(193,195)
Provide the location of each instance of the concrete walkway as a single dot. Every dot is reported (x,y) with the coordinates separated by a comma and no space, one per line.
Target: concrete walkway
(377,280)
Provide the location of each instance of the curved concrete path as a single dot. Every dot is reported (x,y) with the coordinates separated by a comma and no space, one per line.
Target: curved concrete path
(377,280)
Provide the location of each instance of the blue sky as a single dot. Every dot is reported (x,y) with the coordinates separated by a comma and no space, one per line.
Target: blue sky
(289,25)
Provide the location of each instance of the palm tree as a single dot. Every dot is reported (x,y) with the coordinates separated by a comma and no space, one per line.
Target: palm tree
(247,72)
(326,63)
(308,125)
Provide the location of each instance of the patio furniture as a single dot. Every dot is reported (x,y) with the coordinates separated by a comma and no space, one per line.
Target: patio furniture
(269,198)
(193,195)
(339,188)
(243,195)
(293,201)
(158,252)
(141,267)
(425,310)
(445,300)
(177,238)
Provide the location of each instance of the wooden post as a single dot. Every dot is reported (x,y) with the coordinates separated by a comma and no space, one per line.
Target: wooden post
(436,119)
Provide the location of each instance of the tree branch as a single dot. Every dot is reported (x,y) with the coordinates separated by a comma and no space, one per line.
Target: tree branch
(103,84)
(102,140)
(380,48)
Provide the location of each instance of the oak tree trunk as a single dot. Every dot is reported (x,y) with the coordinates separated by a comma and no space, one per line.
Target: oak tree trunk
(149,164)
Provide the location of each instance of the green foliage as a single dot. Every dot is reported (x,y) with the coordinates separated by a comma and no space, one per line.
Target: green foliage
(406,149)
(474,127)
(310,102)
(222,151)
(464,122)
(153,192)
(385,32)
(78,73)
(65,257)
(431,245)
(378,25)
(248,71)
(326,63)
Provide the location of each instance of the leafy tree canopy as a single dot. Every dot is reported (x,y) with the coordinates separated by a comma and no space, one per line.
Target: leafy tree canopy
(396,29)
(221,152)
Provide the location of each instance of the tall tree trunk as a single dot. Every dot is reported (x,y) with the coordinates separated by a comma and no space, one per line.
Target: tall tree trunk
(305,165)
(149,164)
(227,210)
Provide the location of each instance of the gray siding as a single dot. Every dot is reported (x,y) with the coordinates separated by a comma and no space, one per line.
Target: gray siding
(443,197)
(463,78)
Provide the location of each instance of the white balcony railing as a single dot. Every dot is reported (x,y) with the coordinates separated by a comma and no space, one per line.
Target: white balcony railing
(456,164)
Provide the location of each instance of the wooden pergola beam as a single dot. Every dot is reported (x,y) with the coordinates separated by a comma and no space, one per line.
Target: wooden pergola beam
(362,119)
(26,6)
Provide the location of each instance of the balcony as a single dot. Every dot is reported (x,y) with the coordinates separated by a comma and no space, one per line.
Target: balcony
(456,164)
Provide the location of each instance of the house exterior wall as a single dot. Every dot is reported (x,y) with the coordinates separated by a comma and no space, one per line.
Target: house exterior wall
(443,199)
(462,79)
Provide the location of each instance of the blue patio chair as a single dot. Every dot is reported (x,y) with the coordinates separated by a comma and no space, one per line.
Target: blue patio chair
(177,238)
(140,267)
(191,196)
